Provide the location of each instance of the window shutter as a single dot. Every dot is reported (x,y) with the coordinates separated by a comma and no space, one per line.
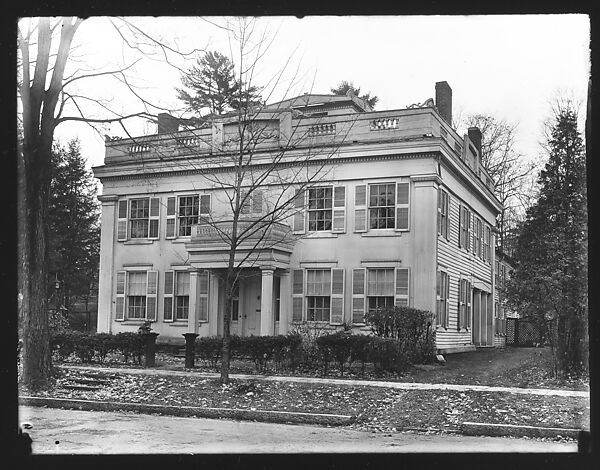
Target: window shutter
(168,296)
(469,229)
(120,301)
(257,202)
(402,206)
(359,276)
(360,208)
(468,301)
(151,291)
(244,204)
(297,294)
(122,221)
(154,218)
(439,212)
(402,280)
(204,206)
(171,217)
(461,304)
(447,219)
(299,213)
(337,296)
(461,226)
(447,302)
(203,295)
(339,209)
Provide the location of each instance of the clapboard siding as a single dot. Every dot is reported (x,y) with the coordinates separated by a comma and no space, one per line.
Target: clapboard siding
(457,262)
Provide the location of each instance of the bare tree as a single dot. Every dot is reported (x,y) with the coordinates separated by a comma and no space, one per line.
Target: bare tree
(261,173)
(50,73)
(508,169)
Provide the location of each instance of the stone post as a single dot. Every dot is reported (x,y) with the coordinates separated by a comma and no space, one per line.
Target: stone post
(190,339)
(150,350)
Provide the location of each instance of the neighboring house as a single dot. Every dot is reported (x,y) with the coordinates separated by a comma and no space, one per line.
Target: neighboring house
(502,270)
(405,216)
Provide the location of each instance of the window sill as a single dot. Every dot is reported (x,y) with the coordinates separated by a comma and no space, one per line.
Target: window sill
(381,233)
(133,322)
(321,235)
(181,239)
(140,241)
(183,323)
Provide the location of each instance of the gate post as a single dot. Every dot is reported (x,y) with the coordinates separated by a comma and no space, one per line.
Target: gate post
(190,339)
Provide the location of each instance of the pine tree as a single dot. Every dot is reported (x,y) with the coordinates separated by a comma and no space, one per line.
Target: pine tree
(550,279)
(212,84)
(73,228)
(345,86)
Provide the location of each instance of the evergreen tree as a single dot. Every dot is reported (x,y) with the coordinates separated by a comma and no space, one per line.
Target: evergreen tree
(549,283)
(345,86)
(212,84)
(73,228)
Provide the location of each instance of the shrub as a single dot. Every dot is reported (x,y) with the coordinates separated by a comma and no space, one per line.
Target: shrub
(84,346)
(337,346)
(360,350)
(131,345)
(294,349)
(209,349)
(104,343)
(409,326)
(310,354)
(62,344)
(387,355)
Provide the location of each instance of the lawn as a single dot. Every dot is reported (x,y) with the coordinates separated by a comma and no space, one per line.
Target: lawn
(376,409)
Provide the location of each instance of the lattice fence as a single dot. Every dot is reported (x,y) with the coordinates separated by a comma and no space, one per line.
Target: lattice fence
(523,332)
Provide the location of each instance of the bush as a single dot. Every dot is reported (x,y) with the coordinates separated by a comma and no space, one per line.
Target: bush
(387,355)
(337,346)
(62,344)
(309,355)
(411,327)
(104,343)
(131,345)
(209,349)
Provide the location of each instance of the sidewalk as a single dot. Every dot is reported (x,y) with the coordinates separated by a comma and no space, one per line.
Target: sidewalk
(332,381)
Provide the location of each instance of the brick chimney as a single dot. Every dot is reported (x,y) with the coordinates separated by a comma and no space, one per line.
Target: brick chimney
(443,100)
(475,136)
(167,123)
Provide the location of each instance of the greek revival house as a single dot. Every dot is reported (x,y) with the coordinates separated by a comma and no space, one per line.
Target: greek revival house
(402,213)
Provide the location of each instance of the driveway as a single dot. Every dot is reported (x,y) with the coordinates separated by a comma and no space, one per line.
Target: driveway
(57,431)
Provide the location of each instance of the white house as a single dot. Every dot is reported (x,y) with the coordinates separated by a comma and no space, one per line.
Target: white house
(404,213)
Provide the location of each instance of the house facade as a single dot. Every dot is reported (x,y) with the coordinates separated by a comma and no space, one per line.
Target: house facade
(403,213)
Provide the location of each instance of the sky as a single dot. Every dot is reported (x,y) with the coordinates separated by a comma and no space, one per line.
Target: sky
(511,66)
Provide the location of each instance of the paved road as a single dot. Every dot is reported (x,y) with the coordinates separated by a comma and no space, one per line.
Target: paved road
(90,432)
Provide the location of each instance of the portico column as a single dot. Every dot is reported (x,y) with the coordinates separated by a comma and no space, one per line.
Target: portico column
(285,302)
(266,302)
(192,311)
(105,280)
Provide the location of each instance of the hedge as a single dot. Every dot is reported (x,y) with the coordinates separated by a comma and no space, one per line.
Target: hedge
(87,347)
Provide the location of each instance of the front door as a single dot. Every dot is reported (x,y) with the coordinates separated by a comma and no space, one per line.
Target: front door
(250,306)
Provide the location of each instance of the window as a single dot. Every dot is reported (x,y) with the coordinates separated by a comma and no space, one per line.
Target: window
(252,204)
(235,305)
(478,238)
(442,294)
(487,239)
(382,206)
(321,292)
(136,295)
(138,218)
(443,205)
(380,288)
(190,209)
(182,295)
(320,205)
(318,294)
(464,304)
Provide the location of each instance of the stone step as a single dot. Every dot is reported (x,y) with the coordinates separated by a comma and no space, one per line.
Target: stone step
(88,388)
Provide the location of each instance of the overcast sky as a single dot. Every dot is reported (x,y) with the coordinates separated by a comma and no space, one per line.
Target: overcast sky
(510,66)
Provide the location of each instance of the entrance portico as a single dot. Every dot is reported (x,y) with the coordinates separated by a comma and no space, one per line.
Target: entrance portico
(263,260)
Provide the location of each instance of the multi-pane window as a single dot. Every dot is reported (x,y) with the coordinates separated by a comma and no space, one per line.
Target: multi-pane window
(318,294)
(380,288)
(182,295)
(442,294)
(139,217)
(136,295)
(464,229)
(320,208)
(189,207)
(443,213)
(382,205)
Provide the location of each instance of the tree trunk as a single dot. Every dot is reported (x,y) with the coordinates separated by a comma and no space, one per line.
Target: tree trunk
(33,192)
